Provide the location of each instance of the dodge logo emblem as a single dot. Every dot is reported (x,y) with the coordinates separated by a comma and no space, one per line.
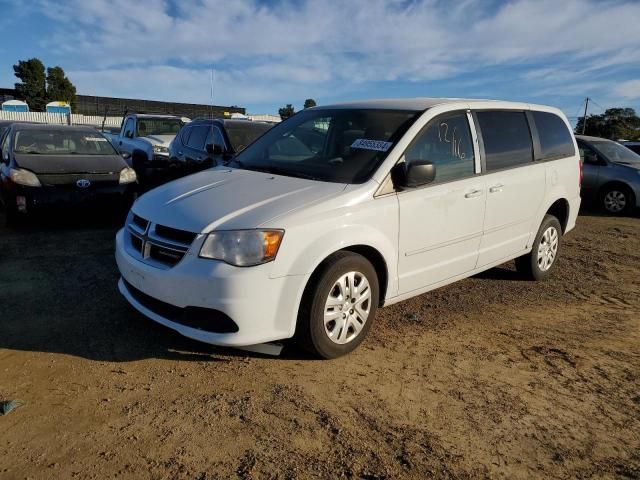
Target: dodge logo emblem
(83,183)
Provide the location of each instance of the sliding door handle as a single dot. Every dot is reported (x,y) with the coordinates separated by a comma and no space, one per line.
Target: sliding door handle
(496,188)
(473,193)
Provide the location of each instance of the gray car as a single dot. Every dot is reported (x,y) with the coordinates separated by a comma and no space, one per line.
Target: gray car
(611,174)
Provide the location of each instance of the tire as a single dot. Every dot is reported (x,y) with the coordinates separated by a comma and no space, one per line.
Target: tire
(616,199)
(342,332)
(540,263)
(12,218)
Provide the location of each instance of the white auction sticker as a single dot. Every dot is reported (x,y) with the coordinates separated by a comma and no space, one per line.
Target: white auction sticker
(377,145)
(94,139)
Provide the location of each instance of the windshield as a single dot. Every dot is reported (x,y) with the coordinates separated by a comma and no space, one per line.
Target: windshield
(61,142)
(617,153)
(339,145)
(242,134)
(159,126)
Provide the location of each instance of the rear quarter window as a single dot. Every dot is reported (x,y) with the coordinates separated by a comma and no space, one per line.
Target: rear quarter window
(506,138)
(555,139)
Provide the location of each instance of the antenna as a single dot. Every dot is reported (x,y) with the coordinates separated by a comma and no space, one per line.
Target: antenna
(212,79)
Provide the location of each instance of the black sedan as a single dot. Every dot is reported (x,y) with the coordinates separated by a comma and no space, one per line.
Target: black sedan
(47,165)
(204,143)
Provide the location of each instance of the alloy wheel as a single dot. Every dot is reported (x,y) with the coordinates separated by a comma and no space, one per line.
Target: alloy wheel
(347,307)
(548,248)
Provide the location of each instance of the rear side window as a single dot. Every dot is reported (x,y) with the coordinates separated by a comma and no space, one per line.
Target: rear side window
(198,135)
(555,139)
(506,137)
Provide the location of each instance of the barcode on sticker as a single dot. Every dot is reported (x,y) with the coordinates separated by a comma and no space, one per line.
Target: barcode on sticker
(377,145)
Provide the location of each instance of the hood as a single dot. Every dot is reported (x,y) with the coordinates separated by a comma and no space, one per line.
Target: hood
(223,198)
(163,140)
(634,165)
(43,164)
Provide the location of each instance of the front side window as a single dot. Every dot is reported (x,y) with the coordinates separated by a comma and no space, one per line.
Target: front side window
(198,135)
(128,128)
(555,139)
(5,147)
(344,145)
(215,137)
(184,135)
(61,142)
(587,154)
(507,139)
(445,142)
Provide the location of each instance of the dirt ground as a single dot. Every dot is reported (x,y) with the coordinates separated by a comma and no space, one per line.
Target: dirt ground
(491,377)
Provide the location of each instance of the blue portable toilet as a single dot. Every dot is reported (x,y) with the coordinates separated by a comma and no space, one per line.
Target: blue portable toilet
(58,107)
(15,106)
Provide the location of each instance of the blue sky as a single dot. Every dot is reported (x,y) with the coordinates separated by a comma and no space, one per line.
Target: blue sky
(269,53)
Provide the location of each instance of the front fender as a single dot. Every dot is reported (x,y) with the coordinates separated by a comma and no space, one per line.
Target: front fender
(373,224)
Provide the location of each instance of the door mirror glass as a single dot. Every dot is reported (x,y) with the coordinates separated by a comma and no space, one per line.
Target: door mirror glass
(213,149)
(591,158)
(413,173)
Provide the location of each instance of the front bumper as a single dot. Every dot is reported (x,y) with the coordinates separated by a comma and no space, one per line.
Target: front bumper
(263,308)
(37,198)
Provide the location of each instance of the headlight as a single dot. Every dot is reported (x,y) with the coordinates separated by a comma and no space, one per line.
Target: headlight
(24,177)
(160,149)
(127,175)
(242,248)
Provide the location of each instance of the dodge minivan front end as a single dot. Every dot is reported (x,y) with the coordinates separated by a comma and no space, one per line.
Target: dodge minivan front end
(185,281)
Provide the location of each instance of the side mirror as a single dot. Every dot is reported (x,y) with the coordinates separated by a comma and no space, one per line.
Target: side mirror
(591,158)
(413,173)
(128,134)
(125,155)
(213,149)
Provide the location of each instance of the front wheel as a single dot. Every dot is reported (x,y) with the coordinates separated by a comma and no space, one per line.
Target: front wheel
(541,261)
(339,306)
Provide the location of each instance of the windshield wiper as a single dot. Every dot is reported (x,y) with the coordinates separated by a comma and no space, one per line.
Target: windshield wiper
(285,172)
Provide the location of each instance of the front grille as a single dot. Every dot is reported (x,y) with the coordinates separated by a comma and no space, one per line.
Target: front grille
(174,234)
(140,222)
(158,245)
(51,179)
(206,319)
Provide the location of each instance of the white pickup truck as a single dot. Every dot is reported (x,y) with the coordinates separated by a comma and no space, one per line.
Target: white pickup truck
(144,141)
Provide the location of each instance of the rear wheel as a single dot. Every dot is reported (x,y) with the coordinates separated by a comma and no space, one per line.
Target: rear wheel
(541,261)
(339,306)
(616,199)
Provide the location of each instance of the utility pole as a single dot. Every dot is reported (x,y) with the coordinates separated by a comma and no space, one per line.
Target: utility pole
(584,119)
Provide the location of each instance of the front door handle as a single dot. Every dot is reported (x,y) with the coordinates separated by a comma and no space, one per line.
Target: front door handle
(473,193)
(496,188)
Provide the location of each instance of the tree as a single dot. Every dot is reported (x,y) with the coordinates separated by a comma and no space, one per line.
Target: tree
(309,102)
(286,111)
(32,89)
(614,124)
(59,87)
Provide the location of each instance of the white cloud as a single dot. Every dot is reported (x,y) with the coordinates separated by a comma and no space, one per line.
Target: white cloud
(628,90)
(326,46)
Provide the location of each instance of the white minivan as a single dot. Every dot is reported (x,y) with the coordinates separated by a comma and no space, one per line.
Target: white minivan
(343,209)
